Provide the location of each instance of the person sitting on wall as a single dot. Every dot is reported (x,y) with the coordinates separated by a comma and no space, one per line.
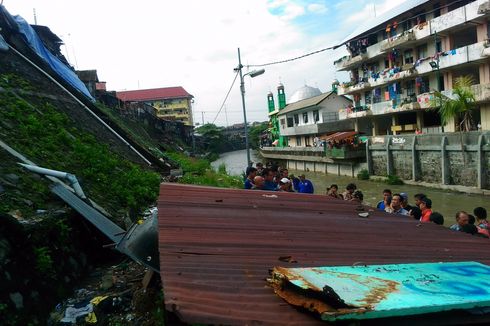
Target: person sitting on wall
(396,206)
(332,191)
(462,219)
(305,186)
(437,218)
(386,200)
(349,190)
(251,174)
(425,206)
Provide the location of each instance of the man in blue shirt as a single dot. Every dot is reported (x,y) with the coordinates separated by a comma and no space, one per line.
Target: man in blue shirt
(269,183)
(249,181)
(305,186)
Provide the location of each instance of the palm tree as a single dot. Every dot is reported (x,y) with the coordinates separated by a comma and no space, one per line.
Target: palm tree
(459,106)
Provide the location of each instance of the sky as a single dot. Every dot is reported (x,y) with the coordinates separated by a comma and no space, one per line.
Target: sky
(193,44)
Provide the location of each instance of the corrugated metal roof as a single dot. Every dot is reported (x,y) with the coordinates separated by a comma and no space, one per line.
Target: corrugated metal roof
(153,94)
(217,247)
(384,18)
(305,103)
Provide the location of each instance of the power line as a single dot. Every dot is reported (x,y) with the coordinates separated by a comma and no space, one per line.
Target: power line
(226,97)
(354,39)
(292,59)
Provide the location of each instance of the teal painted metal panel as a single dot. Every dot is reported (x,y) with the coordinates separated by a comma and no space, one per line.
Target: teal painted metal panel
(376,291)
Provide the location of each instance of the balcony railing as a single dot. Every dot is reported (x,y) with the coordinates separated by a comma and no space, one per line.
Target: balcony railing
(349,61)
(398,40)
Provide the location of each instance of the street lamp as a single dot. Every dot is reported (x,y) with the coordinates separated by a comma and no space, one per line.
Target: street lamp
(252,74)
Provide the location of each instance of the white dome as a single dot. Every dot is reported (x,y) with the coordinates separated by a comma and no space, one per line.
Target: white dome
(304,93)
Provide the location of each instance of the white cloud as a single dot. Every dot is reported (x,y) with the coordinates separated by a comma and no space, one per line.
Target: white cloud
(189,43)
(317,8)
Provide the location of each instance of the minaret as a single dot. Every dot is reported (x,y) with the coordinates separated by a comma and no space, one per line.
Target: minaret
(281,96)
(270,102)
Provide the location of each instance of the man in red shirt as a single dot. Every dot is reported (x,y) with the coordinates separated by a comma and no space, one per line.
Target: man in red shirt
(425,207)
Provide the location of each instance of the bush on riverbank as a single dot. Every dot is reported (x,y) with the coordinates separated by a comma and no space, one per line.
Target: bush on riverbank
(393,180)
(198,171)
(363,175)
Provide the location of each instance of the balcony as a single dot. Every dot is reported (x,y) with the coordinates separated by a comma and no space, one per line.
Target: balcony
(425,99)
(392,106)
(398,40)
(353,89)
(348,62)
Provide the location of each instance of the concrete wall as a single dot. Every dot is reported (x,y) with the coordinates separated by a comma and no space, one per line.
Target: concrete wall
(433,158)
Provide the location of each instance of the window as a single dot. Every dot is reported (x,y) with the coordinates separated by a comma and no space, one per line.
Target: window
(438,46)
(387,64)
(411,89)
(367,98)
(298,141)
(290,122)
(408,56)
(377,95)
(283,122)
(316,116)
(305,117)
(296,119)
(422,51)
(307,141)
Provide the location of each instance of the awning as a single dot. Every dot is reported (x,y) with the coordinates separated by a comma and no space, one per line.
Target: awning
(340,135)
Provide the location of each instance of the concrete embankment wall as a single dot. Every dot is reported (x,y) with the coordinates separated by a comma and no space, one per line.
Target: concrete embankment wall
(447,159)
(433,159)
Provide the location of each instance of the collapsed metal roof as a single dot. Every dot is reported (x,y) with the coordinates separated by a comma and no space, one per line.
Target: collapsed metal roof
(218,246)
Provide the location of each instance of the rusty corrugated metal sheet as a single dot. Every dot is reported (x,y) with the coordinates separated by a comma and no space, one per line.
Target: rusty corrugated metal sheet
(217,247)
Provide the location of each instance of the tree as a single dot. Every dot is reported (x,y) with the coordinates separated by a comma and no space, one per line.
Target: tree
(459,106)
(255,132)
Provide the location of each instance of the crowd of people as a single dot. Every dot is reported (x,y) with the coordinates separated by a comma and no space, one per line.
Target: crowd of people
(274,178)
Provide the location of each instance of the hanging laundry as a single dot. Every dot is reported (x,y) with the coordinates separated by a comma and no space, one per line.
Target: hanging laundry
(453,52)
(387,96)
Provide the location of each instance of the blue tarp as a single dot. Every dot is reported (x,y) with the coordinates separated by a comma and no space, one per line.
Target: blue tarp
(37,45)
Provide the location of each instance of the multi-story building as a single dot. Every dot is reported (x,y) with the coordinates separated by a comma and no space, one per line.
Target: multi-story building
(171,103)
(399,59)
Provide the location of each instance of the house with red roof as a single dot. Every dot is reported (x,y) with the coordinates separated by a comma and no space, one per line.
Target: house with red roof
(171,103)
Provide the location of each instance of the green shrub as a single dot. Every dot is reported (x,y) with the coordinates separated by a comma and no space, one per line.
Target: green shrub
(394,180)
(363,175)
(222,168)
(44,262)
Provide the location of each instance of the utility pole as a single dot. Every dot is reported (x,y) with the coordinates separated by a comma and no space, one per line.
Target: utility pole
(202,115)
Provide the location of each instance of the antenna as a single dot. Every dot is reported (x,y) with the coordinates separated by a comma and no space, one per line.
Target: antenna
(35,17)
(374,6)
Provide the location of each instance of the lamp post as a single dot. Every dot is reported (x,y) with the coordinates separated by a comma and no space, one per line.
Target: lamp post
(252,74)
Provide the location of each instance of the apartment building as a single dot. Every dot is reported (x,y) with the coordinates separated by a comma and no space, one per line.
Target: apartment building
(170,103)
(398,59)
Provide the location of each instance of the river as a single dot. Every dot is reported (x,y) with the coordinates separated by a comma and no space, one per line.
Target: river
(445,202)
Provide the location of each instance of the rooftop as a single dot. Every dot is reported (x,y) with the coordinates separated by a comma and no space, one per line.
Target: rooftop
(154,94)
(217,247)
